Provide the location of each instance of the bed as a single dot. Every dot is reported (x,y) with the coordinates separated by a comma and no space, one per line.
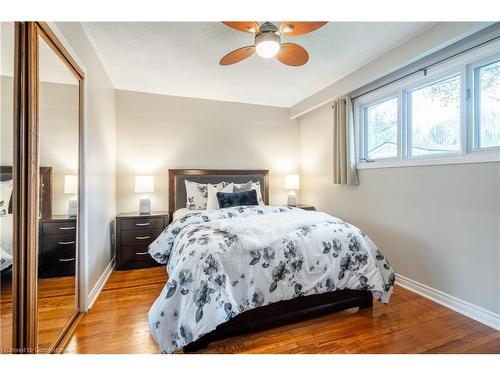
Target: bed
(247,268)
(6,216)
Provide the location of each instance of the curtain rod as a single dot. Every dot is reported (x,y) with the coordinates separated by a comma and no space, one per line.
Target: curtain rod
(425,68)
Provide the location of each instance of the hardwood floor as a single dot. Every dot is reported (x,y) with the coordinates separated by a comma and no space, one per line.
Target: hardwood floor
(409,324)
(117,322)
(56,306)
(5,312)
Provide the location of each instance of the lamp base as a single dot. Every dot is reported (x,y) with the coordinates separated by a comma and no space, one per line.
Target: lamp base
(292,198)
(144,206)
(72,207)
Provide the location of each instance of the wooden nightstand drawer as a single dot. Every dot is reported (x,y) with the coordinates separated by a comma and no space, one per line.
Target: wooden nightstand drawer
(139,237)
(50,243)
(57,258)
(142,223)
(134,233)
(68,228)
(137,256)
(57,263)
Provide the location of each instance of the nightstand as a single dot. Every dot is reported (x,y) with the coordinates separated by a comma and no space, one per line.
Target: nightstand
(306,207)
(134,232)
(57,255)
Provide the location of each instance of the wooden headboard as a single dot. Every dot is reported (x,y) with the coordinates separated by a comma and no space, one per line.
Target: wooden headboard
(45,188)
(177,189)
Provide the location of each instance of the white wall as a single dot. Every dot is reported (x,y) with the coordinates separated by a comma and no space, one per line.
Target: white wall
(438,225)
(101,152)
(157,132)
(58,137)
(58,116)
(6,121)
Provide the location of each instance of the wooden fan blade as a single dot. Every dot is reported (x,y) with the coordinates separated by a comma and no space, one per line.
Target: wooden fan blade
(294,28)
(245,26)
(292,54)
(237,55)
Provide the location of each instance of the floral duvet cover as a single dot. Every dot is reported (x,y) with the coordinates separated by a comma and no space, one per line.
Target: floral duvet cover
(227,261)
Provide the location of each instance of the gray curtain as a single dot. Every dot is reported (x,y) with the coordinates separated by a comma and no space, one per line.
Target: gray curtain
(344,151)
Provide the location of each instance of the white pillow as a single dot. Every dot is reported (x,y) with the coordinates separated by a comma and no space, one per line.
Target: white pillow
(5,196)
(212,201)
(256,187)
(6,229)
(196,195)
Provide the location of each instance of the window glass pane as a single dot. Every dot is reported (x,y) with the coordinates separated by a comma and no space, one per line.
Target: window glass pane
(382,129)
(435,117)
(489,105)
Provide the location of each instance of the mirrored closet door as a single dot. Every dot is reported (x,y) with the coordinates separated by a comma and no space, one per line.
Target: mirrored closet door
(7,250)
(58,157)
(41,122)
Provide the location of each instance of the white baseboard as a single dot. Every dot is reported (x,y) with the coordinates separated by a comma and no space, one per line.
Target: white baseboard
(468,309)
(96,290)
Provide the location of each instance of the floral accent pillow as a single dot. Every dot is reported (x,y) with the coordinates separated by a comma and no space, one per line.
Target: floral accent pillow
(5,196)
(196,195)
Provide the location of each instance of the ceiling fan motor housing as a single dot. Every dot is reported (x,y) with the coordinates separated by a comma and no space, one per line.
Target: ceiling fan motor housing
(268,27)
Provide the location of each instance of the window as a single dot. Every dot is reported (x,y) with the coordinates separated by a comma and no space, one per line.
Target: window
(487,105)
(435,118)
(449,113)
(382,129)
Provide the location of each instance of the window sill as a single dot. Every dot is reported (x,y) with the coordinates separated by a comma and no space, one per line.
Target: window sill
(490,156)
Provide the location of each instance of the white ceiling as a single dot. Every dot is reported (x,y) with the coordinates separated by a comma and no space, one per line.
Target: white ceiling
(181,58)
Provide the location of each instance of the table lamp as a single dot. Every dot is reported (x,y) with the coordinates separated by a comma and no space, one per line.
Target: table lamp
(144,184)
(71,187)
(292,183)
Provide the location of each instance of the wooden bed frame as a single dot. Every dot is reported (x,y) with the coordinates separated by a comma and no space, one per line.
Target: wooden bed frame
(173,173)
(275,314)
(45,188)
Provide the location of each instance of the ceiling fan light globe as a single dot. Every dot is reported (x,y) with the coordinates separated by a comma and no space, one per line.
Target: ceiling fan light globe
(267,45)
(267,49)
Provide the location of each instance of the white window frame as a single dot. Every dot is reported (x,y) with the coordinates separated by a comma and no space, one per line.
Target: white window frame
(463,65)
(429,81)
(473,119)
(364,125)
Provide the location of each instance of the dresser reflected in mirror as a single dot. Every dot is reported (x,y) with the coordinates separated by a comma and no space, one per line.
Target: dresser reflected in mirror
(58,124)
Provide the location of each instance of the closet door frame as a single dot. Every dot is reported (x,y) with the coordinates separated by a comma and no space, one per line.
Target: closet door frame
(22,160)
(25,195)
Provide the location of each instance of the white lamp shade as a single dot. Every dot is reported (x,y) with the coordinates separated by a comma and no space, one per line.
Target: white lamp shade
(144,184)
(70,184)
(292,182)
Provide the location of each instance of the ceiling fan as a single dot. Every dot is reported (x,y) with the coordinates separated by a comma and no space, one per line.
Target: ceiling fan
(268,42)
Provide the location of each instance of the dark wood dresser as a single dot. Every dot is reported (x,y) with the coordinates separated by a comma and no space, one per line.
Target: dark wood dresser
(134,233)
(57,256)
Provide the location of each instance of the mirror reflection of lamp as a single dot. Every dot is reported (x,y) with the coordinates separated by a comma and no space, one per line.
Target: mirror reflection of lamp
(292,182)
(144,184)
(71,187)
